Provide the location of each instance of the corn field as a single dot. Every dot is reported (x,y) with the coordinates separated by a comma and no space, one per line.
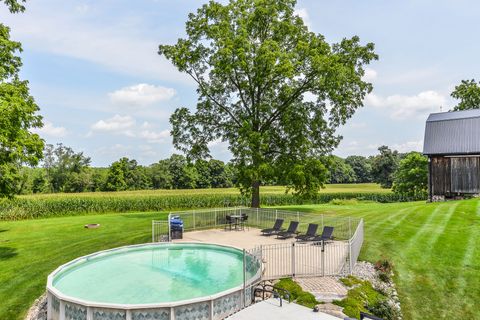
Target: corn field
(79,204)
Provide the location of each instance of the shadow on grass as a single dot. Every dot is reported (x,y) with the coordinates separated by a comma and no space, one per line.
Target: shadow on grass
(7,253)
(3,230)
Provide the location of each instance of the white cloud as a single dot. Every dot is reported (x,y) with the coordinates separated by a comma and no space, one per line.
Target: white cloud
(123,45)
(154,137)
(408,146)
(141,94)
(50,130)
(117,124)
(127,126)
(369,75)
(303,13)
(116,151)
(407,107)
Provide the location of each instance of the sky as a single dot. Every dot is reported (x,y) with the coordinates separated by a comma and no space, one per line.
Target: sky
(94,70)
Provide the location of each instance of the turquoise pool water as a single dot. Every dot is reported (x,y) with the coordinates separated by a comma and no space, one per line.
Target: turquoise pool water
(153,274)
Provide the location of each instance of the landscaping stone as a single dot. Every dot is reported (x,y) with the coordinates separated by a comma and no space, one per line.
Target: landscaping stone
(366,271)
(38,311)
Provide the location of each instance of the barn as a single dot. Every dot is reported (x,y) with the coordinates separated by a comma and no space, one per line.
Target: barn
(452,144)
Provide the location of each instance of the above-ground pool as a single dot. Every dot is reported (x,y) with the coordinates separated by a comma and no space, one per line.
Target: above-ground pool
(154,281)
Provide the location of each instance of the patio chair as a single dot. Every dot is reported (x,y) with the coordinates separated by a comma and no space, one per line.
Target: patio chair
(229,221)
(244,221)
(327,234)
(291,231)
(277,227)
(310,234)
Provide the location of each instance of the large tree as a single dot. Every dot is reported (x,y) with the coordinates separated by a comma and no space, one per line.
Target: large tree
(411,177)
(468,92)
(67,170)
(18,113)
(362,167)
(272,89)
(384,166)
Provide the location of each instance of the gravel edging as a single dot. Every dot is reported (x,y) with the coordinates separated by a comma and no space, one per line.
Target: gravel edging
(366,271)
(38,311)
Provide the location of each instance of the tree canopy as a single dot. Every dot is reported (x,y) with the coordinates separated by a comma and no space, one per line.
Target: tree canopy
(411,177)
(272,89)
(15,6)
(384,166)
(468,92)
(18,110)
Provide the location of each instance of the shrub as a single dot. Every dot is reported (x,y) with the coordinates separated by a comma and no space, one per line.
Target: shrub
(344,202)
(384,265)
(359,297)
(350,281)
(291,286)
(297,294)
(307,299)
(384,310)
(384,268)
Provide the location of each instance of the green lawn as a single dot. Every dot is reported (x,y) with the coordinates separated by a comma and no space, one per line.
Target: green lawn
(433,246)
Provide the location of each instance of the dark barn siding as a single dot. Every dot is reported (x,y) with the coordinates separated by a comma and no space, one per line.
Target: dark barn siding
(453,175)
(440,176)
(465,175)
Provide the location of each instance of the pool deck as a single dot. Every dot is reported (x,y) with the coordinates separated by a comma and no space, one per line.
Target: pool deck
(244,239)
(270,309)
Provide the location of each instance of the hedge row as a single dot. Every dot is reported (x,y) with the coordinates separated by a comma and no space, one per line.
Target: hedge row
(28,208)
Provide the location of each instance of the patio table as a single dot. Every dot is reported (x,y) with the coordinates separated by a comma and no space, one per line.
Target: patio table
(237,218)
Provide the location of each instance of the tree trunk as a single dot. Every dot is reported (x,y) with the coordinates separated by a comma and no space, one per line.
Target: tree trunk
(256,194)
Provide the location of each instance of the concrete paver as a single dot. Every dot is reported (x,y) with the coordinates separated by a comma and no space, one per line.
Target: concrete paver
(270,309)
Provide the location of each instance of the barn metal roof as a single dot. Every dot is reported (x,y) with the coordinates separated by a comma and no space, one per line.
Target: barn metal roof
(452,133)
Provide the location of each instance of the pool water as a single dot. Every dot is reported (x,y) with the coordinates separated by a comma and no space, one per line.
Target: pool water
(153,274)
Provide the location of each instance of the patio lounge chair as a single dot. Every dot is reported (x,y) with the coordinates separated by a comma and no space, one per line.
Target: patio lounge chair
(327,234)
(291,231)
(310,234)
(277,227)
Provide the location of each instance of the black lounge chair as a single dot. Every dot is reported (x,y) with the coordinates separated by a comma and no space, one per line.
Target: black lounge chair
(327,234)
(291,231)
(277,227)
(310,234)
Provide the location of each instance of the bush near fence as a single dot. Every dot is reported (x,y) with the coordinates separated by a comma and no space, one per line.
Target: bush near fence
(63,205)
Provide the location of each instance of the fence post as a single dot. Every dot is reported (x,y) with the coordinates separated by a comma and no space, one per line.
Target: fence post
(349,227)
(276,214)
(293,259)
(298,216)
(169,227)
(215,218)
(258,224)
(322,222)
(350,256)
(193,219)
(153,230)
(244,277)
(323,258)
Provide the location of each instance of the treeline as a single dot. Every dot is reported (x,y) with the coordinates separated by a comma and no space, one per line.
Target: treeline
(405,173)
(64,170)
